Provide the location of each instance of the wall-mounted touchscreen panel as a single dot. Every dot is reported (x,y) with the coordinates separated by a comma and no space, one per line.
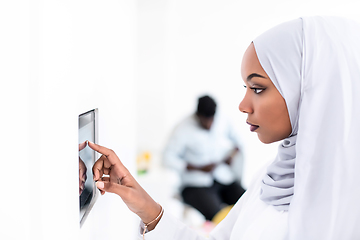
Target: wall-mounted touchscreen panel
(87,157)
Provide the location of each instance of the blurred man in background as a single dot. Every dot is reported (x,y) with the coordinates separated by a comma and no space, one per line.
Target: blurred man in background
(201,149)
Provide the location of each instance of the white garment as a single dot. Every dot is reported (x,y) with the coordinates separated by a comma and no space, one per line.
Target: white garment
(327,193)
(242,222)
(190,143)
(319,77)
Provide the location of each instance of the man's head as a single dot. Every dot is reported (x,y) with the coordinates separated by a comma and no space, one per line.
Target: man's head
(205,111)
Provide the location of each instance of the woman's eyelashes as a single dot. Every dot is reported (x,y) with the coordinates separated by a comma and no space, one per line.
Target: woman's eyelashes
(256,90)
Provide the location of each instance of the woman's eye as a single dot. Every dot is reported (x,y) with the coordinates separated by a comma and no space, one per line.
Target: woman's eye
(257,90)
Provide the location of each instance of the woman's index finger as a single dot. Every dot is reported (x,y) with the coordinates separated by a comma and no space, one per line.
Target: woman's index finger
(110,154)
(100,149)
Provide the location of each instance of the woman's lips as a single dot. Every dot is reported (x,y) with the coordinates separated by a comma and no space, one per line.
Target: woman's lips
(253,127)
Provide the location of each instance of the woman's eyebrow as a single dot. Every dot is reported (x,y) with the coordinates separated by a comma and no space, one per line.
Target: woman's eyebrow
(254,75)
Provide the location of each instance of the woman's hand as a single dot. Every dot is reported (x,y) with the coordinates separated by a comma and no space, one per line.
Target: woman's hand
(122,183)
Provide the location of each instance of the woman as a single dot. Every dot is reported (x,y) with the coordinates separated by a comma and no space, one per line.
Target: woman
(302,80)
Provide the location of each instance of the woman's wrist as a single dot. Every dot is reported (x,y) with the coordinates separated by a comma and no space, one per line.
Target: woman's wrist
(150,212)
(150,225)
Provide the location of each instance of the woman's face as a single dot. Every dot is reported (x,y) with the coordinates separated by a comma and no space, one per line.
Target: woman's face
(266,108)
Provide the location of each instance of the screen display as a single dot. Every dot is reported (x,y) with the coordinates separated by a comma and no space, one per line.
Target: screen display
(87,158)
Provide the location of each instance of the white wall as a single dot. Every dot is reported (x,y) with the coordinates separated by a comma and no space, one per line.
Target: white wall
(193,47)
(59,59)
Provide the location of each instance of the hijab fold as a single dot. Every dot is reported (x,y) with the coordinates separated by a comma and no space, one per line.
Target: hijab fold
(277,187)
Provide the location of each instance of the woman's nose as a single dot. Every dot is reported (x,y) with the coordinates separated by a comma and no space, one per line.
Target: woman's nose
(245,106)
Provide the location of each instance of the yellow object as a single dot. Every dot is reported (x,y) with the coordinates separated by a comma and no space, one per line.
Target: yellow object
(143,162)
(221,214)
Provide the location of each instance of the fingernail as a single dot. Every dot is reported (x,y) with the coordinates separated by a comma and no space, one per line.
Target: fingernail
(100,185)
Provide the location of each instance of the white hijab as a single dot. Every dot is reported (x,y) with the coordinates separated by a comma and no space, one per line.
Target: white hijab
(315,64)
(280,54)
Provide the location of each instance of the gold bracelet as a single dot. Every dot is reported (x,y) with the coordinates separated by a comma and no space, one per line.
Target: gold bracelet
(147,224)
